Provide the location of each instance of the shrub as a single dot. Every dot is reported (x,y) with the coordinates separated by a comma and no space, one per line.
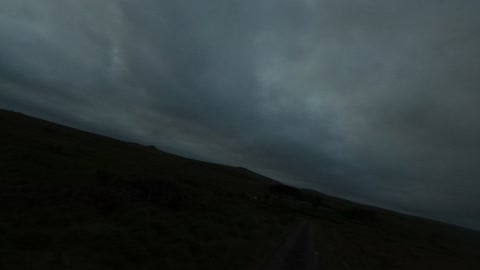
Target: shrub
(32,240)
(317,201)
(359,214)
(285,190)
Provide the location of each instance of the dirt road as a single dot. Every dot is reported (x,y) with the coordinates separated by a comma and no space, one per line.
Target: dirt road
(298,251)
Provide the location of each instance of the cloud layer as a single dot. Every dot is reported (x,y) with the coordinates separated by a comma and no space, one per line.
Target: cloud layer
(369,100)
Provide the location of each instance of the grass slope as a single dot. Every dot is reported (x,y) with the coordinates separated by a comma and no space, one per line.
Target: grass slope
(75,200)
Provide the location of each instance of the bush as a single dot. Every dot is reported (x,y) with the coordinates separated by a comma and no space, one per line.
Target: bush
(32,240)
(285,190)
(317,201)
(359,214)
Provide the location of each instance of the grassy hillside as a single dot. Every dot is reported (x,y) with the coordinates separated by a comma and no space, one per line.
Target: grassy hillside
(75,200)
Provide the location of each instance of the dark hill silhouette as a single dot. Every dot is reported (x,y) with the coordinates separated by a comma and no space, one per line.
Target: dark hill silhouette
(70,199)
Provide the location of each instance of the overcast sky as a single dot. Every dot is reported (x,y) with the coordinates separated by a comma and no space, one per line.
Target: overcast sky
(371,100)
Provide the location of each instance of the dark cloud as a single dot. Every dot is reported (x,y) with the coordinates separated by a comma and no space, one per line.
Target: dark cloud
(369,100)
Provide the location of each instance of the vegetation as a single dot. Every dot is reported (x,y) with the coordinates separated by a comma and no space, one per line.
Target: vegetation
(75,200)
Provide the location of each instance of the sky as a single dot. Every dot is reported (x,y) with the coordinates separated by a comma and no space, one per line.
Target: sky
(374,101)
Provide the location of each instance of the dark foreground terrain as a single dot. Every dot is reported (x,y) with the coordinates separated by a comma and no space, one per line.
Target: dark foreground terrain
(75,200)
(298,252)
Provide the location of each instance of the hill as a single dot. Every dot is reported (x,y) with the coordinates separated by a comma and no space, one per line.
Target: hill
(70,199)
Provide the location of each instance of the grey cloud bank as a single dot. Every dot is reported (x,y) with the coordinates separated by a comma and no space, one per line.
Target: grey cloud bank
(374,101)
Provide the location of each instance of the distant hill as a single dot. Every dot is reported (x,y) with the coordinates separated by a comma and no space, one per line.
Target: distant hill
(70,199)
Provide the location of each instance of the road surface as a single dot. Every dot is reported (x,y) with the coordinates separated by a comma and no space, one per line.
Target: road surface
(298,252)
